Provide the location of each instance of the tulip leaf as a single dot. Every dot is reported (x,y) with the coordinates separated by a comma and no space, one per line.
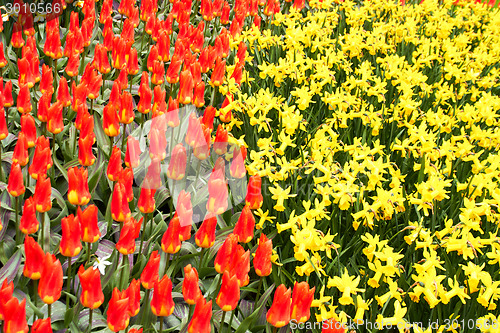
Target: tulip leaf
(11,268)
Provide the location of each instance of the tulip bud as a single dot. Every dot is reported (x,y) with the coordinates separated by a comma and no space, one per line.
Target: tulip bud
(162,303)
(15,186)
(71,244)
(90,280)
(205,236)
(51,281)
(29,223)
(117,315)
(177,166)
(88,220)
(119,204)
(229,293)
(150,272)
(245,226)
(200,322)
(33,266)
(43,191)
(78,192)
(262,260)
(279,313)
(130,231)
(190,288)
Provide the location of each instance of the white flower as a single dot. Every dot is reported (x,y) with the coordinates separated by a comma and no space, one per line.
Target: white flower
(101,264)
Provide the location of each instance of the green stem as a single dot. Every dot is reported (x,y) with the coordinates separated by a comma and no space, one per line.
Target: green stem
(91,311)
(222,321)
(124,137)
(202,257)
(230,321)
(143,232)
(216,291)
(88,252)
(49,310)
(69,283)
(258,289)
(145,314)
(18,231)
(161,325)
(166,264)
(122,276)
(91,106)
(1,168)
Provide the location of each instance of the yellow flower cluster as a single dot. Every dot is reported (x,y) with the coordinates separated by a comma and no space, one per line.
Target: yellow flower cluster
(380,117)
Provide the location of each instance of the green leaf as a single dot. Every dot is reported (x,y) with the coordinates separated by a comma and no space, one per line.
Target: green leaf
(11,268)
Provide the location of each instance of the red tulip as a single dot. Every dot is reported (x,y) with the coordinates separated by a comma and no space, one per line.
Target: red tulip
(200,322)
(119,204)
(133,153)
(177,166)
(162,303)
(229,293)
(117,314)
(15,186)
(41,326)
(205,236)
(51,281)
(29,223)
(78,192)
(218,74)
(42,159)
(302,298)
(134,297)
(150,273)
(146,202)
(184,209)
(245,225)
(46,84)
(224,255)
(115,164)
(90,280)
(28,127)
(279,313)
(186,87)
(130,231)
(71,244)
(262,260)
(33,266)
(190,288)
(15,316)
(88,221)
(6,292)
(43,190)
(170,242)
(23,99)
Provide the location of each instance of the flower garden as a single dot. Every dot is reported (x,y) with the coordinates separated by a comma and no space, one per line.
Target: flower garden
(249,165)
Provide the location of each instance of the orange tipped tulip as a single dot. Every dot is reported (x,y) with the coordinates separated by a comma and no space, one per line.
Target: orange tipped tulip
(229,294)
(15,186)
(33,266)
(42,159)
(115,164)
(119,204)
(28,127)
(78,192)
(186,87)
(245,226)
(88,221)
(220,144)
(150,273)
(177,166)
(200,323)
(254,196)
(90,280)
(146,202)
(224,256)
(279,313)
(262,260)
(130,231)
(20,154)
(42,326)
(117,314)
(162,303)
(205,236)
(184,209)
(15,316)
(190,287)
(6,292)
(237,167)
(132,153)
(43,191)
(71,244)
(29,223)
(170,242)
(302,298)
(55,123)
(51,281)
